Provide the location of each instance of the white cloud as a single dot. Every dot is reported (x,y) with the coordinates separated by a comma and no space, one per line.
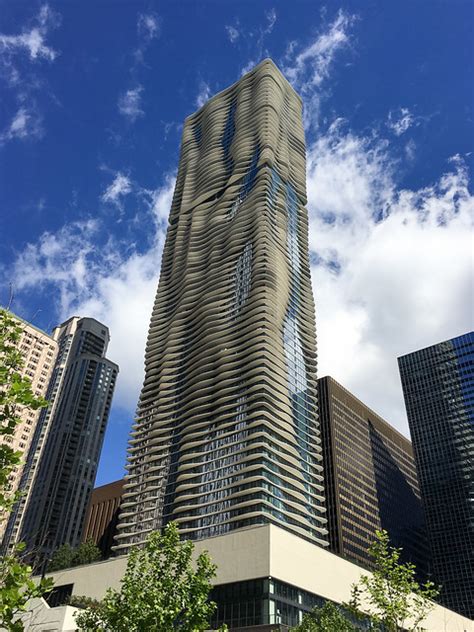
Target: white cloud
(410,150)
(204,94)
(113,282)
(117,190)
(33,40)
(23,78)
(232,33)
(248,66)
(26,124)
(390,266)
(19,125)
(256,40)
(399,121)
(123,300)
(148,29)
(148,26)
(308,69)
(58,259)
(130,103)
(392,271)
(160,200)
(271,17)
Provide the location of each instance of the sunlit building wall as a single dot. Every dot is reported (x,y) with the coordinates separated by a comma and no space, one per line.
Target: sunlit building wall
(38,350)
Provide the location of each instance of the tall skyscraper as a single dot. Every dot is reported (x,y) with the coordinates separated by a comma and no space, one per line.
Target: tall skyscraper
(38,350)
(438,385)
(370,479)
(62,461)
(227,433)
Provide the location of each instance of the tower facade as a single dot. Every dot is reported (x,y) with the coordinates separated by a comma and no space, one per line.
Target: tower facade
(370,480)
(102,516)
(38,350)
(227,433)
(62,461)
(438,385)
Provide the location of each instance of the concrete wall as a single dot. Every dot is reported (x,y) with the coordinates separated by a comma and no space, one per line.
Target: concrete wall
(265,551)
(92,580)
(312,568)
(42,618)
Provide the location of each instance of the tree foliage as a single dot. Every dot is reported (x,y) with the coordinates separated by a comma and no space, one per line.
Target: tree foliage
(162,590)
(86,553)
(16,585)
(82,601)
(392,596)
(66,556)
(327,618)
(16,589)
(61,558)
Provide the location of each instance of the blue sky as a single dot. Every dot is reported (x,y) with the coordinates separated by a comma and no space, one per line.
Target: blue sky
(93,97)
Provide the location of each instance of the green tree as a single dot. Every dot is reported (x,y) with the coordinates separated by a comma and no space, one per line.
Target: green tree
(16,584)
(328,618)
(61,558)
(162,590)
(66,556)
(86,553)
(392,597)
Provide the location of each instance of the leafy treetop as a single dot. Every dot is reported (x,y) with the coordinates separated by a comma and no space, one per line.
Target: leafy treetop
(162,590)
(327,618)
(391,595)
(66,556)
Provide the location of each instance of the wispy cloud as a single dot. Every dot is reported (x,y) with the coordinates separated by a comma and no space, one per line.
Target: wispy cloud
(32,40)
(59,260)
(232,33)
(309,67)
(119,188)
(391,267)
(130,103)
(159,200)
(148,29)
(410,150)
(148,26)
(203,94)
(25,125)
(21,55)
(256,39)
(271,17)
(171,127)
(87,271)
(399,121)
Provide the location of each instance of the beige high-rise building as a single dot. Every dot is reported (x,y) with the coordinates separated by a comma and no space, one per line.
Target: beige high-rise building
(227,432)
(62,462)
(39,352)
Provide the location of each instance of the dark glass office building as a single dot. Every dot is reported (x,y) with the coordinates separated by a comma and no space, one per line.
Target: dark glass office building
(438,385)
(370,479)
